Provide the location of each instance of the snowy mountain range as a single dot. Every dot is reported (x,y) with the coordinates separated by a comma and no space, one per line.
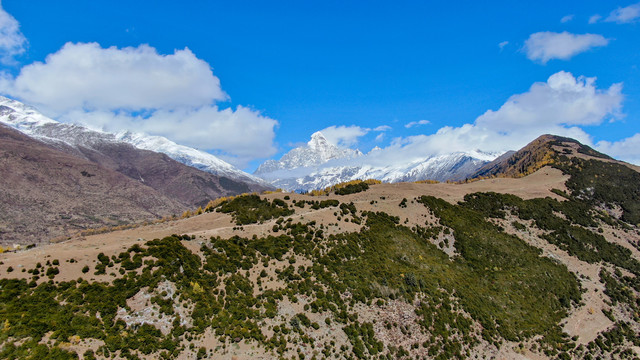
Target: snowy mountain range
(317,152)
(315,165)
(320,164)
(31,122)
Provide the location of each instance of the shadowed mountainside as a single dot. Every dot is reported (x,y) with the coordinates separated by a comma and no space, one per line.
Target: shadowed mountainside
(186,184)
(45,192)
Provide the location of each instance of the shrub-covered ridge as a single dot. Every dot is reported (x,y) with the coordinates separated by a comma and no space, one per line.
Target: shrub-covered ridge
(496,288)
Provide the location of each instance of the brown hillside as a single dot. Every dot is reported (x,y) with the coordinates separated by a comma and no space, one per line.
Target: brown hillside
(403,270)
(584,322)
(46,193)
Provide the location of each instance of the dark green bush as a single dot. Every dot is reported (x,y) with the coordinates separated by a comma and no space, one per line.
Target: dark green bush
(352,188)
(250,209)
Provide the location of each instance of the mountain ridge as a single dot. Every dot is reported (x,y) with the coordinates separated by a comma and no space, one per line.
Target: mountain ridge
(105,148)
(29,121)
(535,155)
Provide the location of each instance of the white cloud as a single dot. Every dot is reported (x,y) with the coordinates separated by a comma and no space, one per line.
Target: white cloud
(626,14)
(566,18)
(138,89)
(348,136)
(90,77)
(594,19)
(416,123)
(544,46)
(561,100)
(12,42)
(344,136)
(559,106)
(626,149)
(502,45)
(382,128)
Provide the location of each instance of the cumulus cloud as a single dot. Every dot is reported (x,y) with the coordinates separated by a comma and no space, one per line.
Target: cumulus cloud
(138,89)
(416,123)
(561,106)
(349,136)
(546,45)
(627,149)
(502,45)
(344,136)
(626,14)
(561,100)
(566,18)
(94,78)
(12,42)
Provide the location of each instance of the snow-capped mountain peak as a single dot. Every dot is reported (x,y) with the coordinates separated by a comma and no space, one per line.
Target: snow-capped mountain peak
(318,141)
(315,153)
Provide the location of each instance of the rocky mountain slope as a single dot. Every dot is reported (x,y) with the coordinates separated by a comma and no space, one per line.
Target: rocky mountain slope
(191,157)
(320,164)
(45,193)
(535,155)
(542,266)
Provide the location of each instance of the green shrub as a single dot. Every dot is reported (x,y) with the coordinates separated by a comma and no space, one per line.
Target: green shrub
(250,209)
(352,188)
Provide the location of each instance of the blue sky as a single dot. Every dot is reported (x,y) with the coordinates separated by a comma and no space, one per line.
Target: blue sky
(261,77)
